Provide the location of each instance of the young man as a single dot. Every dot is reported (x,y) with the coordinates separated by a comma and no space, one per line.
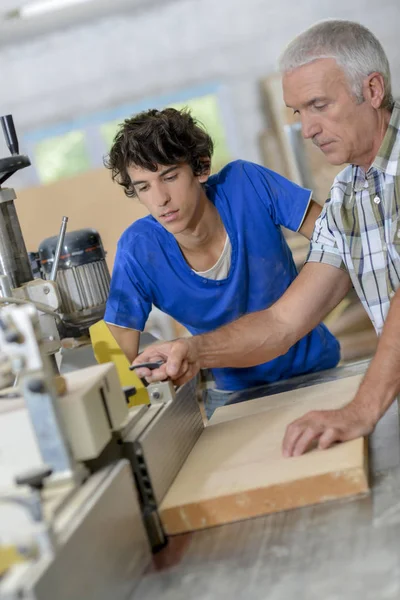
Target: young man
(336,77)
(212,248)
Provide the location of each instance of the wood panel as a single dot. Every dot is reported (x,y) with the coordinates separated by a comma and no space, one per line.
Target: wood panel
(89,200)
(236,469)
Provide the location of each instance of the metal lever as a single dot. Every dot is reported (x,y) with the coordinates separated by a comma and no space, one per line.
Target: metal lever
(60,243)
(148,365)
(15,162)
(10,134)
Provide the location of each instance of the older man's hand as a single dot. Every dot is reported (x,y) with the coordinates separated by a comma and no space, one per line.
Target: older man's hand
(180,361)
(325,427)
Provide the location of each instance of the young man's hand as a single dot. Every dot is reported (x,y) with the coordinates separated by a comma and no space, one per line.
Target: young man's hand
(325,427)
(180,361)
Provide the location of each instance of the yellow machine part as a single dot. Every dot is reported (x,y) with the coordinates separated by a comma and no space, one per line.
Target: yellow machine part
(106,349)
(9,556)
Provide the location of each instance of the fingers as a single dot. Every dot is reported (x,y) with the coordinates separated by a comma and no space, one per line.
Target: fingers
(185,373)
(152,375)
(300,434)
(304,441)
(159,374)
(180,363)
(178,360)
(329,437)
(293,432)
(154,353)
(191,371)
(142,373)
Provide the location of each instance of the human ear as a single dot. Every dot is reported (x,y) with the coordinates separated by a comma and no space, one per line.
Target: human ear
(206,170)
(374,89)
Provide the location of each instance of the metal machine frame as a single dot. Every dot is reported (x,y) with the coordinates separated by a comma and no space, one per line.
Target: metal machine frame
(73,496)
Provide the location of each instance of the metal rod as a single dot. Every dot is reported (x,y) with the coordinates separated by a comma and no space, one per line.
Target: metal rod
(57,254)
(14,259)
(5,286)
(10,134)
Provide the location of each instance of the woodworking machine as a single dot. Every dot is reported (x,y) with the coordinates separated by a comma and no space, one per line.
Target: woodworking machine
(74,525)
(16,278)
(70,287)
(81,475)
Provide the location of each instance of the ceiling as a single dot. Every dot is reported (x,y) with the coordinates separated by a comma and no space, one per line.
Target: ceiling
(13,29)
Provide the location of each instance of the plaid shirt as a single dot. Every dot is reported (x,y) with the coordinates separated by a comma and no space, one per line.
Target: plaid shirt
(359,226)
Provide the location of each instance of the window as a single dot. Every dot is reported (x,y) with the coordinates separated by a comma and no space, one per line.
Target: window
(61,156)
(72,148)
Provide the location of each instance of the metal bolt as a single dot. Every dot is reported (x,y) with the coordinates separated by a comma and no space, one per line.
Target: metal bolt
(156,395)
(36,386)
(13,337)
(46,290)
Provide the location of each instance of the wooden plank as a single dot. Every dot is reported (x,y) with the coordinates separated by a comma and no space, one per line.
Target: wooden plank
(236,469)
(88,199)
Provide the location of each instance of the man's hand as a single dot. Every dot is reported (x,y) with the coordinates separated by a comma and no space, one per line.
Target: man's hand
(180,361)
(325,427)
(376,393)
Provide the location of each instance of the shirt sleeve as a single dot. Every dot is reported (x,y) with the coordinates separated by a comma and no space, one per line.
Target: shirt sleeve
(128,303)
(286,201)
(323,246)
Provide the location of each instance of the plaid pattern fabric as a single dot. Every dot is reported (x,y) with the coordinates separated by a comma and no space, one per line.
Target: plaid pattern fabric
(359,226)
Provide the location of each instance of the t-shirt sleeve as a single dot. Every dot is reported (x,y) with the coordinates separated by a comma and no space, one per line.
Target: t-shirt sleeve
(286,201)
(323,247)
(128,303)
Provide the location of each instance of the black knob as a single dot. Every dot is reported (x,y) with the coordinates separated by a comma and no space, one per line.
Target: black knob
(34,477)
(10,134)
(14,337)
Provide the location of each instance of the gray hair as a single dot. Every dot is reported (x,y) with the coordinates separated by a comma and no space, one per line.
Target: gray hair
(356,50)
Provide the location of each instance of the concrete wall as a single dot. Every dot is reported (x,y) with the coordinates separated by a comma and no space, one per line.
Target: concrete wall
(172,46)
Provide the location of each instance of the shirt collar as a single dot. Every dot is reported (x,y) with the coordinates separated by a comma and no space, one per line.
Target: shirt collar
(387,159)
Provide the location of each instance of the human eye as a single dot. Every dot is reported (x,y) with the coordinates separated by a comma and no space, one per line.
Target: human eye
(171,177)
(320,106)
(143,188)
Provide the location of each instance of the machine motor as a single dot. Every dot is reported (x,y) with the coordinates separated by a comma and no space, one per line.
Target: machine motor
(83,277)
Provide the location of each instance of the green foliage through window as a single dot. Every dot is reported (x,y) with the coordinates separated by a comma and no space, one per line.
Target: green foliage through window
(61,156)
(63,150)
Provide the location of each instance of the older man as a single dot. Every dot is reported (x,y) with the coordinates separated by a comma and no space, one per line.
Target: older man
(336,77)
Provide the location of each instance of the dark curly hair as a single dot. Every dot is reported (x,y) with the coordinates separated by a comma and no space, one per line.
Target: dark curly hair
(158,137)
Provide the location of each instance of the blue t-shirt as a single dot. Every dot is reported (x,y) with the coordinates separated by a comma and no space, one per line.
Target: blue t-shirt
(149,268)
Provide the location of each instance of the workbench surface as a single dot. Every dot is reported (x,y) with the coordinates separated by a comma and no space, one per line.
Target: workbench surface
(345,550)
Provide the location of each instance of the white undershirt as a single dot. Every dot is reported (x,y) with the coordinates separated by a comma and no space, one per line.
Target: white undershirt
(221,268)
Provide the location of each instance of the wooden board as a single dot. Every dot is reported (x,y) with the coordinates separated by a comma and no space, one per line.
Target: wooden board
(236,469)
(89,200)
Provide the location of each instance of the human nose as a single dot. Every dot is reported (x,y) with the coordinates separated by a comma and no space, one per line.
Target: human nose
(162,196)
(309,127)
